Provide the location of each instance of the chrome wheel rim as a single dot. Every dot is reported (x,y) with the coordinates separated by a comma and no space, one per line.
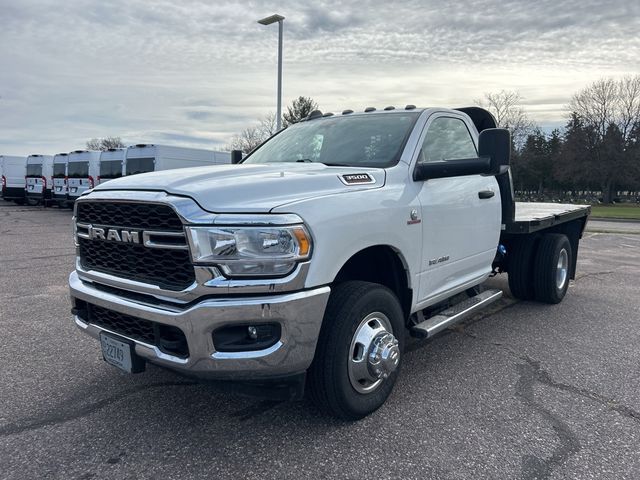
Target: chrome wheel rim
(374,353)
(562,269)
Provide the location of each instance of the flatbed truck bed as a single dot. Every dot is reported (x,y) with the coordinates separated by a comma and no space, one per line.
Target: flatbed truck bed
(532,216)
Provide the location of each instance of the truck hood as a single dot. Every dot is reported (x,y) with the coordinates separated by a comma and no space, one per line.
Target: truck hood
(252,188)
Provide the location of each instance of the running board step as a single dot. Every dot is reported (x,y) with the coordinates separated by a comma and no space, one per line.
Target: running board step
(454,314)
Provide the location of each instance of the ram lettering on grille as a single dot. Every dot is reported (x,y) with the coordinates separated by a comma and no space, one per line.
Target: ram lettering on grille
(111,234)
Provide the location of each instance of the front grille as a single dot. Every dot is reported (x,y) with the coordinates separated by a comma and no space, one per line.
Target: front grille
(145,216)
(168,339)
(167,268)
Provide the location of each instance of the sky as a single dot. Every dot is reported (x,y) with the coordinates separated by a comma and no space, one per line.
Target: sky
(193,73)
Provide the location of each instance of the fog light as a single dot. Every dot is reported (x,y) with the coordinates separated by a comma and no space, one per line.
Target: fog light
(246,338)
(253,332)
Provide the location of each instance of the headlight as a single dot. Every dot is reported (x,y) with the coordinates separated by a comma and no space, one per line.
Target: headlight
(250,251)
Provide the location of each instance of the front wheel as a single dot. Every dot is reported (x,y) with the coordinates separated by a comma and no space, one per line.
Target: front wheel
(359,350)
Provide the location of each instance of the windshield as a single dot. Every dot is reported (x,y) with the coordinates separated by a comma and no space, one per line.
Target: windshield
(110,168)
(358,140)
(34,170)
(59,170)
(78,170)
(139,165)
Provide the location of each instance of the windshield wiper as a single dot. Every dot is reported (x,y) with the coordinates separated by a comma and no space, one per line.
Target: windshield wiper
(308,160)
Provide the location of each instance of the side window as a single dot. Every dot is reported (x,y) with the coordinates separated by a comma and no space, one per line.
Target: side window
(447,139)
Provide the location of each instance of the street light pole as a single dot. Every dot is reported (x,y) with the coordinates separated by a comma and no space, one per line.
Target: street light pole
(268,21)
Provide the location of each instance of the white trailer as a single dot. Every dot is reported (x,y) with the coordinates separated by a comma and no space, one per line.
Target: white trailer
(82,172)
(60,190)
(39,179)
(152,158)
(111,164)
(14,171)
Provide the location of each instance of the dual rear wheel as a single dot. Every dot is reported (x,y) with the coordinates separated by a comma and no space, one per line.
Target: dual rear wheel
(540,268)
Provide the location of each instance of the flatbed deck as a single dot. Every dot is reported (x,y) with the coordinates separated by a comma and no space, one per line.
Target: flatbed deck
(532,216)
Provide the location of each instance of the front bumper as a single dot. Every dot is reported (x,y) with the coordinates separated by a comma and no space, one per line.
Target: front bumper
(299,315)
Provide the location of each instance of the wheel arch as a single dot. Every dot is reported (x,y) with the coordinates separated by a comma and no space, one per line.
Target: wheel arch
(382,264)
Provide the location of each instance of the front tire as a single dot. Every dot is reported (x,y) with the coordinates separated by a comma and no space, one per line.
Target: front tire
(359,350)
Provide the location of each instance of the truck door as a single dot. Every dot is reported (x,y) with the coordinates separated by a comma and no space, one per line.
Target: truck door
(460,215)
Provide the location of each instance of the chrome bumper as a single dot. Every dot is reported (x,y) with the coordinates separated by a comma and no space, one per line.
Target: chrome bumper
(299,314)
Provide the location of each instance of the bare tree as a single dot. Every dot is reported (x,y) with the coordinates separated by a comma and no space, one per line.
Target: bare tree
(629,104)
(609,102)
(105,143)
(507,109)
(251,137)
(596,104)
(611,108)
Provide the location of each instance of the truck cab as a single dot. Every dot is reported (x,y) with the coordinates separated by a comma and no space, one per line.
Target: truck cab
(83,169)
(309,263)
(39,179)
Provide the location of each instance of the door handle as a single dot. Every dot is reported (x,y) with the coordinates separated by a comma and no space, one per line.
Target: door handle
(484,194)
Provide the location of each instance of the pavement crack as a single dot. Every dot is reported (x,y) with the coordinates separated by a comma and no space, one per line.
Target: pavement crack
(255,410)
(545,378)
(39,421)
(593,274)
(530,373)
(534,467)
(611,404)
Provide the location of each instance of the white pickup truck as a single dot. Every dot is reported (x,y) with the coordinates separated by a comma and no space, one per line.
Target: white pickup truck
(310,262)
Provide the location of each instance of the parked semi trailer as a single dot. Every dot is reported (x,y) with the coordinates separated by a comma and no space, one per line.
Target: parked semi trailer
(311,261)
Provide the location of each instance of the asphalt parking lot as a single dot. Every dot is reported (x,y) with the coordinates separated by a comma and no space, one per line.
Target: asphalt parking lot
(526,391)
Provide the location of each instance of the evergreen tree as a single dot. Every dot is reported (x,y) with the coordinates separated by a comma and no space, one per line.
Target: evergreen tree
(299,109)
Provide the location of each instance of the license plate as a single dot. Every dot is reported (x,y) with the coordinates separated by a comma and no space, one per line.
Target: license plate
(117,353)
(74,189)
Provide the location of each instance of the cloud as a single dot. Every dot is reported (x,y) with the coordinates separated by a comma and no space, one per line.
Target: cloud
(196,71)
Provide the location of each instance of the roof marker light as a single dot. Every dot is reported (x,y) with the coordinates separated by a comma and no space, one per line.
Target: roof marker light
(314,114)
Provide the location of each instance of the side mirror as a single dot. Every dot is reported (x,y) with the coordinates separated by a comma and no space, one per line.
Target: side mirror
(452,168)
(495,144)
(236,156)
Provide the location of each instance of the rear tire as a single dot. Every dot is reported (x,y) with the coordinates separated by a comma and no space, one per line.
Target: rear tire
(520,272)
(552,268)
(338,378)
